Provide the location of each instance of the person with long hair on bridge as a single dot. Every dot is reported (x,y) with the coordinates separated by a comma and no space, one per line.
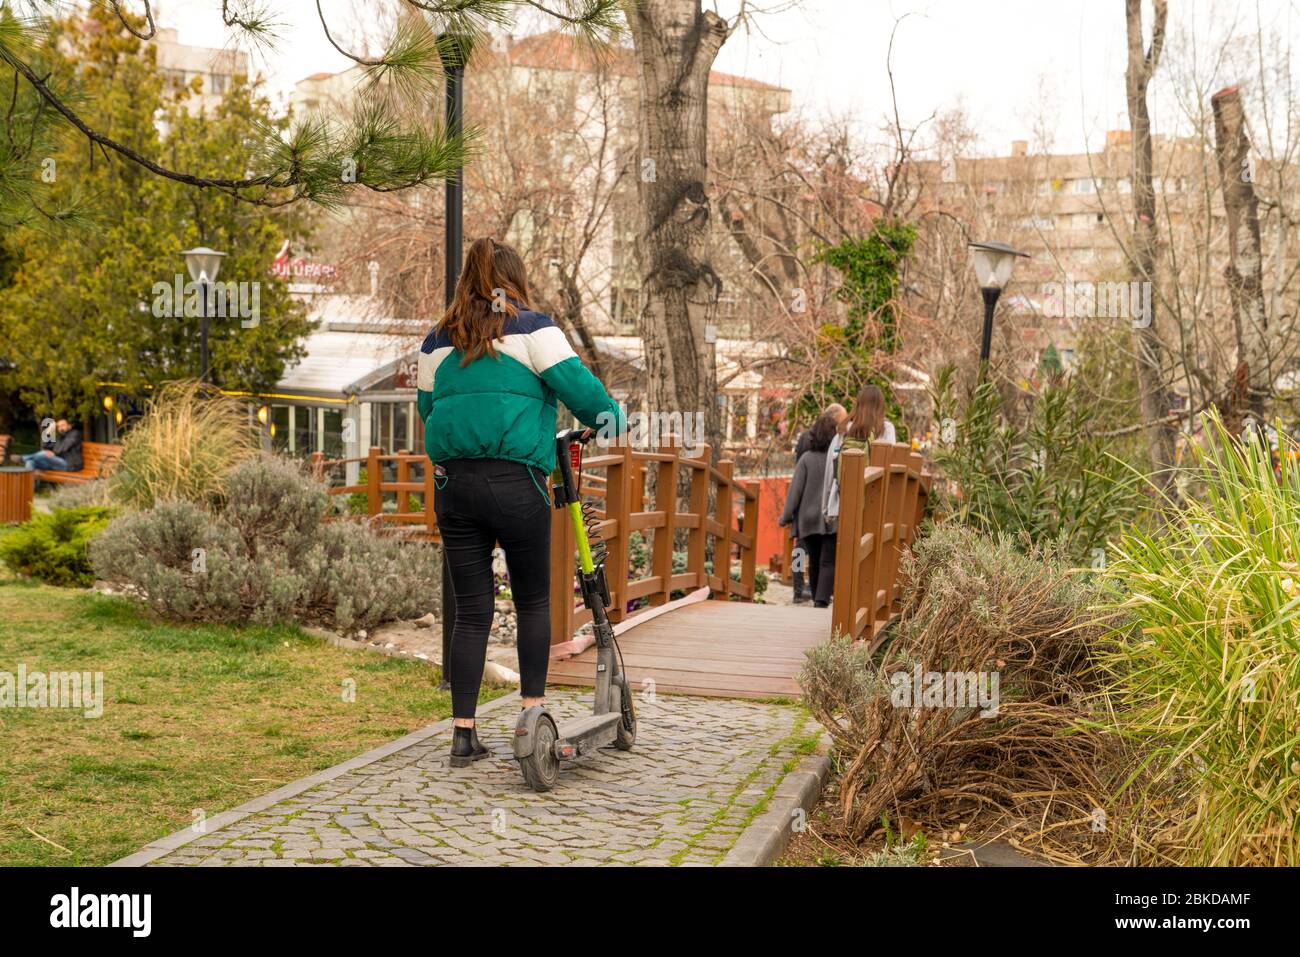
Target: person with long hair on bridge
(803,510)
(490,373)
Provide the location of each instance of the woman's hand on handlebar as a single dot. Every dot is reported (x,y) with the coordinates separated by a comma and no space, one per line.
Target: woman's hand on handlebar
(576,435)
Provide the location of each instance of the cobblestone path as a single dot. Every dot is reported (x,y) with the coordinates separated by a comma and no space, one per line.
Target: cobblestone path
(701,770)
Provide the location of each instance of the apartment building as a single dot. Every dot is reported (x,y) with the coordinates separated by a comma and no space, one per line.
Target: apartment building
(215,68)
(1072,213)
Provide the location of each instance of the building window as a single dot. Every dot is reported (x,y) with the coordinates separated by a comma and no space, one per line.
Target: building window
(303,430)
(401,426)
(280,428)
(395,426)
(332,434)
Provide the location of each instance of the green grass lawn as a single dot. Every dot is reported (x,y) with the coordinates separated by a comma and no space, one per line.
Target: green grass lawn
(195,717)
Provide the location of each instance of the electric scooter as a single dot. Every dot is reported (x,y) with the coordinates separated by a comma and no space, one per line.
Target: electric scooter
(539,743)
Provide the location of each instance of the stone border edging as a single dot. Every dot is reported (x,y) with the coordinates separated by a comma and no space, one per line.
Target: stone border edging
(768,834)
(164,845)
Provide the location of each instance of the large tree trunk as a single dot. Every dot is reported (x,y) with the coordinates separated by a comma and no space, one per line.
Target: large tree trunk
(1142,63)
(1245,272)
(676,43)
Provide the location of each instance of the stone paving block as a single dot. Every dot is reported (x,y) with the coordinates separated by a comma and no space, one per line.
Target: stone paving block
(682,796)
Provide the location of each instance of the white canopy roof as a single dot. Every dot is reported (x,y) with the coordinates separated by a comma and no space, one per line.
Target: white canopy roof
(348,345)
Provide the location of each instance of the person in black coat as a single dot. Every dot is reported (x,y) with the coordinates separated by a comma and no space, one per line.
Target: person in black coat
(61,455)
(801,445)
(803,511)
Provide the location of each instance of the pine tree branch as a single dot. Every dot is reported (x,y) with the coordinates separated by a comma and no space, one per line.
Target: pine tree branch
(126,20)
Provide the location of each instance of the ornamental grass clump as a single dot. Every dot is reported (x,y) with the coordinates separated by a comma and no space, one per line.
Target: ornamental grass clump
(182,449)
(1203,676)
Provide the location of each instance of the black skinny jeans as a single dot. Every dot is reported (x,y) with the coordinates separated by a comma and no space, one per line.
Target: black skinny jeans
(821,565)
(482,502)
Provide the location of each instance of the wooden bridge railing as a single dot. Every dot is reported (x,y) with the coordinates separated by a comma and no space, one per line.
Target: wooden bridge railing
(879,516)
(720,521)
(411,476)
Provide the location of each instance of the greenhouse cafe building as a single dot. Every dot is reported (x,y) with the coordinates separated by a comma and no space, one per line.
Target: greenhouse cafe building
(354,387)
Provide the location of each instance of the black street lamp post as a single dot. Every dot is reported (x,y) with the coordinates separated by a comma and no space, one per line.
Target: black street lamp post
(993,262)
(453,49)
(203,265)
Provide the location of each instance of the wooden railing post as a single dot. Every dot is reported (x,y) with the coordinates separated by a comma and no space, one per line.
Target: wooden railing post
(661,559)
(617,489)
(317,465)
(698,535)
(722,547)
(638,486)
(915,463)
(884,532)
(749,553)
(374,497)
(848,542)
(873,524)
(403,476)
(898,514)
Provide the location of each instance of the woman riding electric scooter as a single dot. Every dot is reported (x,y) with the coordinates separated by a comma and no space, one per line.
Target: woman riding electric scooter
(489,375)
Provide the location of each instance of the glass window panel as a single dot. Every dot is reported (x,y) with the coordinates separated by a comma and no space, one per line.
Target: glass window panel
(280,428)
(333,436)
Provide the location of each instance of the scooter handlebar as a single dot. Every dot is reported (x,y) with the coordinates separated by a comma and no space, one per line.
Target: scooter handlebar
(565,436)
(568,467)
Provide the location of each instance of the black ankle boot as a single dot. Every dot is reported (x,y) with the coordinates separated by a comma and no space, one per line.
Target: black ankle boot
(465,747)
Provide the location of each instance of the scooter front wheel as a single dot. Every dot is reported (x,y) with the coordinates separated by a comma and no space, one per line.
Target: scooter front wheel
(542,768)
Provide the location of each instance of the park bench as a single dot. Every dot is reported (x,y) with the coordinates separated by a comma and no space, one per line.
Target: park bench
(97,459)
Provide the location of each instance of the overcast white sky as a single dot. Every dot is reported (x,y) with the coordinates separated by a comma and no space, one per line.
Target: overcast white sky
(1007,62)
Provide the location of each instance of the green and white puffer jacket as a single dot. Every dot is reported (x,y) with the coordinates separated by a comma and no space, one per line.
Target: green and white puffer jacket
(505,407)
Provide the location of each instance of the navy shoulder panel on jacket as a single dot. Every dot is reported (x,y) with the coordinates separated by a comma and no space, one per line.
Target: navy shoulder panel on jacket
(521,324)
(526,321)
(436,339)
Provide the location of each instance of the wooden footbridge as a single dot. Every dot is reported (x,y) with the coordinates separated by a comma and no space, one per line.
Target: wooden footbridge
(681,535)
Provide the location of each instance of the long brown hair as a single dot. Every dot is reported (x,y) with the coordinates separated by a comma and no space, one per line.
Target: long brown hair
(867,420)
(492,286)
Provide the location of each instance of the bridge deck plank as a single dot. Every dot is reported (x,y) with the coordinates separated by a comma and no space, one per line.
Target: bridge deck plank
(714,648)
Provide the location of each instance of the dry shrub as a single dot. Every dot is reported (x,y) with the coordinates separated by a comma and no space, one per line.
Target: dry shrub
(183,448)
(976,605)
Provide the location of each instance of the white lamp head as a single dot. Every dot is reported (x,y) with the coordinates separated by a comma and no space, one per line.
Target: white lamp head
(203,263)
(993,262)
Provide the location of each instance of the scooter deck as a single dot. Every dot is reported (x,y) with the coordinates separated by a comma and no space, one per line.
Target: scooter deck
(590,732)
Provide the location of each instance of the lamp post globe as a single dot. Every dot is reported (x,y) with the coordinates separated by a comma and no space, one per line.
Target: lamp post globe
(203,264)
(993,262)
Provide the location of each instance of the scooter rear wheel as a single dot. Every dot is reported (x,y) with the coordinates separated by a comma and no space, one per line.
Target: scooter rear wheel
(542,768)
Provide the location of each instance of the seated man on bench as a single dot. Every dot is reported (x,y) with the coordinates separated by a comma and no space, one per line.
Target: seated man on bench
(61,455)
